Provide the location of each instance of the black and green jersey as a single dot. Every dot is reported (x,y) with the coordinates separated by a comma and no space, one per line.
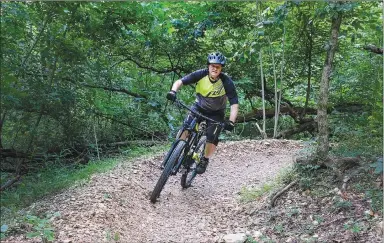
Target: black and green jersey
(212,96)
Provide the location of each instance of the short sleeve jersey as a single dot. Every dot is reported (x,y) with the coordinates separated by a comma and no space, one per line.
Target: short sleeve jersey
(212,96)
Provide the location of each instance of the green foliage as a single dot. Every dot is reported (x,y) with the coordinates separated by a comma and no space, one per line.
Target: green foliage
(279,228)
(252,194)
(355,228)
(293,212)
(41,227)
(60,62)
(375,195)
(251,240)
(341,204)
(351,136)
(306,174)
(378,165)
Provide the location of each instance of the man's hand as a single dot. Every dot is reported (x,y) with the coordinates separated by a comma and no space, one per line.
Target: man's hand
(171,95)
(229,125)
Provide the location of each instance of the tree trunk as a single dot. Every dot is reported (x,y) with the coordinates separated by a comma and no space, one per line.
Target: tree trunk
(34,131)
(323,143)
(275,84)
(281,80)
(2,118)
(262,90)
(310,39)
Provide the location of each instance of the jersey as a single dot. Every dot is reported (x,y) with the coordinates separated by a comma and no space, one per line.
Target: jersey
(212,96)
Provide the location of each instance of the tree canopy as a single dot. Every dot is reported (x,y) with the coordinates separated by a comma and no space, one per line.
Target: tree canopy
(73,70)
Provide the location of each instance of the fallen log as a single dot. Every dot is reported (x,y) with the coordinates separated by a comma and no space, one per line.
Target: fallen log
(373,49)
(295,112)
(10,183)
(133,142)
(310,126)
(270,113)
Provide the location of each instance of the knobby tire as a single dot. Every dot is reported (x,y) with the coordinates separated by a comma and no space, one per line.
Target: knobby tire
(177,151)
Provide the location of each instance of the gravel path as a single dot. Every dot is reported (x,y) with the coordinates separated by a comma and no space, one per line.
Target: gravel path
(115,206)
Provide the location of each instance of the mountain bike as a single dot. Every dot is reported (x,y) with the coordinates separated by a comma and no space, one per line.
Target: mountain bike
(184,155)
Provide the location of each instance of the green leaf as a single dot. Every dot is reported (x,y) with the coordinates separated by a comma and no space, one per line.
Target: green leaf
(33,234)
(49,235)
(171,30)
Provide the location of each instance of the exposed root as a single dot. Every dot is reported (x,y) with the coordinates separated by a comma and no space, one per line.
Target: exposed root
(277,195)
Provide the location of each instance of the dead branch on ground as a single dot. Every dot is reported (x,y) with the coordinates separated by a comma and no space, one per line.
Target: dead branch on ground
(278,194)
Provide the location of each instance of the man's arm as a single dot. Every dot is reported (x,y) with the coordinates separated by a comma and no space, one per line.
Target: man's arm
(234,111)
(177,85)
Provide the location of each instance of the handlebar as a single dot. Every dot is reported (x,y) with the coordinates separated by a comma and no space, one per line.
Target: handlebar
(182,105)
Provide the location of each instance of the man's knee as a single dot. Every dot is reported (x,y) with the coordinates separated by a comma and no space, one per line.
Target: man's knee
(213,140)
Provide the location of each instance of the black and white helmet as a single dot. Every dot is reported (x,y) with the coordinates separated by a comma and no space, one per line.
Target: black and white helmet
(216,58)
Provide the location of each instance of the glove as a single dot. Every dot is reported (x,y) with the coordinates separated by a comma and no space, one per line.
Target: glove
(229,125)
(171,95)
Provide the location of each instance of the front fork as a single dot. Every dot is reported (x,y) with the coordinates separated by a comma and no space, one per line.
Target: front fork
(188,161)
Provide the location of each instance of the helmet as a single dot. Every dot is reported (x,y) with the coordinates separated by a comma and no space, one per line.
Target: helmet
(216,58)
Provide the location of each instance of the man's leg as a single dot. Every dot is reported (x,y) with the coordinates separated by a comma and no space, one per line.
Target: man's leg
(210,149)
(184,135)
(186,123)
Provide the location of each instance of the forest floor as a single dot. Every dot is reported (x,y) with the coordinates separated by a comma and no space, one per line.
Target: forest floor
(115,206)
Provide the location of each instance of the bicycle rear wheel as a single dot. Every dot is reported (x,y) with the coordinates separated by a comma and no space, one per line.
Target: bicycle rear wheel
(190,173)
(170,163)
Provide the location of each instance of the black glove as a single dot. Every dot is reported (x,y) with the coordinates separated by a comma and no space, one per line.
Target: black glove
(171,95)
(229,125)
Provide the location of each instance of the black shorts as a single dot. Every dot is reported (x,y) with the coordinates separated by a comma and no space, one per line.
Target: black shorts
(213,130)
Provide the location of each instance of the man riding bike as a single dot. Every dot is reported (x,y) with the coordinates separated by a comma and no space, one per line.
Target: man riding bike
(213,89)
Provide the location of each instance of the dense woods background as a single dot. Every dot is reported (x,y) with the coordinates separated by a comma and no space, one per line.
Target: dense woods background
(78,79)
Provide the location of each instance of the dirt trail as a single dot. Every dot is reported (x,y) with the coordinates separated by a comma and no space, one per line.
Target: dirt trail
(115,205)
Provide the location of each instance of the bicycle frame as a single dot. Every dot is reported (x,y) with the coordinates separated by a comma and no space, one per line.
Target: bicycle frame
(194,135)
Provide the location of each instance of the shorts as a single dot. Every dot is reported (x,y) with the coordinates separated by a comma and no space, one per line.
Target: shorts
(213,130)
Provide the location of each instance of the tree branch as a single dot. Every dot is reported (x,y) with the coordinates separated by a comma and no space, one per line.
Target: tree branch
(129,57)
(373,49)
(124,123)
(140,65)
(122,90)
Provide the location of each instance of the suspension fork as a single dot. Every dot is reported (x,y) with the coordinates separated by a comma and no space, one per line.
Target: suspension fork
(192,130)
(185,154)
(173,146)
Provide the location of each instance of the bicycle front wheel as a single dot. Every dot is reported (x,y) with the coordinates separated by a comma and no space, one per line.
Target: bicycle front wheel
(169,164)
(190,173)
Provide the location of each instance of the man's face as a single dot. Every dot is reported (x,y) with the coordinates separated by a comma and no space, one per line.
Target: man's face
(214,70)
